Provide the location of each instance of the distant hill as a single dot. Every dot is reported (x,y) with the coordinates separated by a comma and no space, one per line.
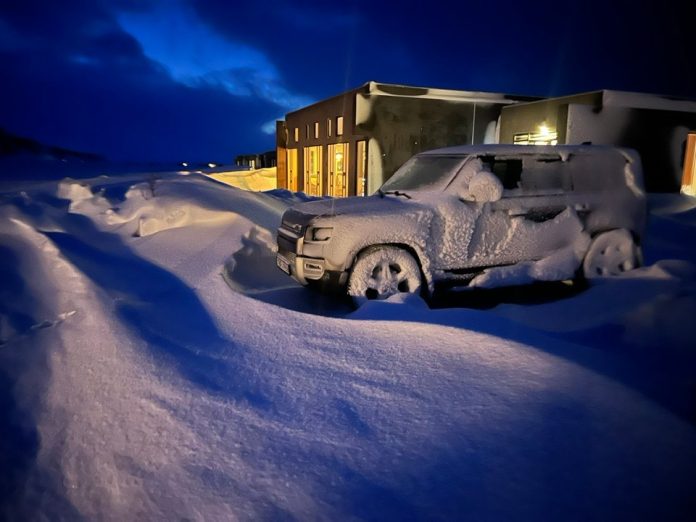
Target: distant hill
(11,145)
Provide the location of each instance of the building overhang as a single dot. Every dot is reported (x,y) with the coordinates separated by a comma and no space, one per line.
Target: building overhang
(640,100)
(611,98)
(408,91)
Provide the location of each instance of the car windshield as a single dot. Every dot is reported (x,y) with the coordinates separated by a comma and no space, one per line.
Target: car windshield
(423,173)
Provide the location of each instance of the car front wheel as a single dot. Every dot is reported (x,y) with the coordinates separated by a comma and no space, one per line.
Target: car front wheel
(381,272)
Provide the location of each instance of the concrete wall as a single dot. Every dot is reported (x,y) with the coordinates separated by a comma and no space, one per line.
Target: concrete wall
(659,136)
(400,127)
(526,117)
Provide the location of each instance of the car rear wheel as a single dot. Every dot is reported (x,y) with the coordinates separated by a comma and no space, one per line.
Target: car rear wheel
(611,254)
(381,272)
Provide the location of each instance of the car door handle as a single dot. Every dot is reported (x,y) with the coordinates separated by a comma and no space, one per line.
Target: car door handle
(541,214)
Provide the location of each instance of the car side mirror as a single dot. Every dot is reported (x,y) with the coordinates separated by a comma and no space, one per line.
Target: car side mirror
(484,187)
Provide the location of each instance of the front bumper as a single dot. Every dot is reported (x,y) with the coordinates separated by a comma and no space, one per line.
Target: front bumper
(290,259)
(302,269)
(306,269)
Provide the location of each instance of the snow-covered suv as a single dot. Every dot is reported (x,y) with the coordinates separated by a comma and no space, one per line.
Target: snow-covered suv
(482,216)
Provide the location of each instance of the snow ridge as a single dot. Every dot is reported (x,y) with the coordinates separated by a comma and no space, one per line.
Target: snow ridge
(135,383)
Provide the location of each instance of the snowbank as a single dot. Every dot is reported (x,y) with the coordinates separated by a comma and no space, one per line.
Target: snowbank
(135,383)
(255,179)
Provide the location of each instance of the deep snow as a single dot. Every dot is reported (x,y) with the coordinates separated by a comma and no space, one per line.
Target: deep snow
(155,364)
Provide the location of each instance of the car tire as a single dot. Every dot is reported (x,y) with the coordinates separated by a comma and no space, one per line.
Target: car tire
(381,272)
(611,254)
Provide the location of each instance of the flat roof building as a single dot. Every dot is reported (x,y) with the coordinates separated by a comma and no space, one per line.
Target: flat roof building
(353,142)
(656,126)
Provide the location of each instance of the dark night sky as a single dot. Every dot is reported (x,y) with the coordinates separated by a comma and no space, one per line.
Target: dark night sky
(200,80)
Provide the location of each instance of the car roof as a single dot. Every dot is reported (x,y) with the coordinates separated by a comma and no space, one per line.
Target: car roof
(524,149)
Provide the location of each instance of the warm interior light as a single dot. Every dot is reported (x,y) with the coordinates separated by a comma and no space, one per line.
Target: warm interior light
(543,136)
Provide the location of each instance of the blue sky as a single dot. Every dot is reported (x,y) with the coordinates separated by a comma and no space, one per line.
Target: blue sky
(180,80)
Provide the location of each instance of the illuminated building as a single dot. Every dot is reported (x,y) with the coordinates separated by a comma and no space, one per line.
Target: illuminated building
(655,126)
(351,143)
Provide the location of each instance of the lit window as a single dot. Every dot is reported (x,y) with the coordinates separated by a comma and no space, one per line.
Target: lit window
(361,167)
(297,134)
(688,185)
(316,129)
(339,126)
(328,127)
(545,136)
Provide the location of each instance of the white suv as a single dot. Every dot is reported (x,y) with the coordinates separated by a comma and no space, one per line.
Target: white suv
(479,216)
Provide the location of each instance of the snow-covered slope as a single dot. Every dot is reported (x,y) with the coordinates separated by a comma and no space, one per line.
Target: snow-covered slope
(255,179)
(156,365)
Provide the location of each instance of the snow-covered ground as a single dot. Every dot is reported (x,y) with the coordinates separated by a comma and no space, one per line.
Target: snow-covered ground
(156,365)
(254,179)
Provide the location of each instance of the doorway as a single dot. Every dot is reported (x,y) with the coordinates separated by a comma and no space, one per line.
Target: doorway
(338,167)
(312,171)
(361,168)
(688,185)
(292,170)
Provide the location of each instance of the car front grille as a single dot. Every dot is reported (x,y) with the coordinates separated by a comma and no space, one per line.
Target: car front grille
(286,244)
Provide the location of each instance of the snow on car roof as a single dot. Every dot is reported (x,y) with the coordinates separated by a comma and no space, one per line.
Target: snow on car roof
(521,149)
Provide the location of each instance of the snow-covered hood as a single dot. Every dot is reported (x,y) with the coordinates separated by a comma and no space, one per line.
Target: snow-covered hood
(368,206)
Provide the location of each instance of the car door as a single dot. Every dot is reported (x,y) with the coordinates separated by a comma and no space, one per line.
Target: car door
(532,219)
(453,222)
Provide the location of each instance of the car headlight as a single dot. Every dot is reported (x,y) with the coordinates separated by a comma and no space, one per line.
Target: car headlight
(320,233)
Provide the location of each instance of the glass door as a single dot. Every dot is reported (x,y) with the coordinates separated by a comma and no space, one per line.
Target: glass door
(338,167)
(312,171)
(689,175)
(292,170)
(361,168)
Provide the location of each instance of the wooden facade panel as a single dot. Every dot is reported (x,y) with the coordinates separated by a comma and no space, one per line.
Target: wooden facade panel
(689,176)
(281,162)
(325,130)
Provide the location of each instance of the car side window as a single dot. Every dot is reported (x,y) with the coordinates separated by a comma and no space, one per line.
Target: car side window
(530,174)
(545,174)
(597,172)
(507,170)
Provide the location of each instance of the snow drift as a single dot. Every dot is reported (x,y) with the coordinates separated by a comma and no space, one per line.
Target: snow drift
(136,382)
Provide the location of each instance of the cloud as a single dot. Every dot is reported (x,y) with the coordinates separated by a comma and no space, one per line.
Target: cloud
(73,77)
(270,126)
(194,54)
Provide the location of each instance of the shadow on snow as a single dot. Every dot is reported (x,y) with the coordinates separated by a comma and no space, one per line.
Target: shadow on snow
(162,309)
